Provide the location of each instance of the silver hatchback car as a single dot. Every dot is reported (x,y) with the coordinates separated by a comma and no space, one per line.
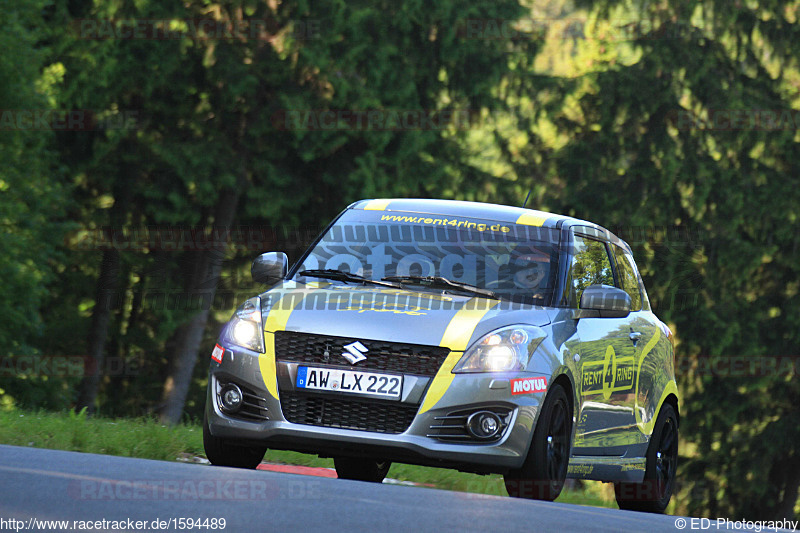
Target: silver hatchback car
(486,338)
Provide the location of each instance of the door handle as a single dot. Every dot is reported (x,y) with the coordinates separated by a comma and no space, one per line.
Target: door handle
(635,336)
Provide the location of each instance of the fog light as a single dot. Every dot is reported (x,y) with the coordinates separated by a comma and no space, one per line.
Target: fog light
(230,398)
(489,425)
(484,424)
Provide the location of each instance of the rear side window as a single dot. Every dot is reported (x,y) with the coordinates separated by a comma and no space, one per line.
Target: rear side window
(590,266)
(626,274)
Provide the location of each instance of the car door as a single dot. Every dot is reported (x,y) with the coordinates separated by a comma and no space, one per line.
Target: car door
(643,326)
(606,362)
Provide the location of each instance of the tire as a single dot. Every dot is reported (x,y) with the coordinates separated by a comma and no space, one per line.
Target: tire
(654,493)
(221,452)
(361,469)
(543,474)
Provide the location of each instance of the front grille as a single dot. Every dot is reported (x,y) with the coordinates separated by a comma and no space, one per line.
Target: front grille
(383,356)
(346,413)
(453,426)
(254,407)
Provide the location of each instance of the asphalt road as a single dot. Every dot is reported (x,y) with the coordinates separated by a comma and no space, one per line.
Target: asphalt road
(56,485)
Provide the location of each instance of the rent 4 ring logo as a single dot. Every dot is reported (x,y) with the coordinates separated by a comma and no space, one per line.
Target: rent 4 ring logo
(613,374)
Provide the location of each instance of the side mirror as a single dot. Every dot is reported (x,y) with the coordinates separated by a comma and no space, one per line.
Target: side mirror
(610,302)
(270,267)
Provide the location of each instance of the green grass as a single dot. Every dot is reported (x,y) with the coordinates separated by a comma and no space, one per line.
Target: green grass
(143,438)
(148,439)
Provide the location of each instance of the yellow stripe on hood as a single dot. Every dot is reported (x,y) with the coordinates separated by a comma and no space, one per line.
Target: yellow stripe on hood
(529,219)
(277,318)
(377,205)
(455,337)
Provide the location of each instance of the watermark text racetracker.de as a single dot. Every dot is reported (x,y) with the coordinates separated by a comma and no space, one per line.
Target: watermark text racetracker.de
(735,120)
(574,29)
(66,366)
(725,524)
(739,366)
(68,119)
(265,237)
(193,490)
(197,29)
(375,119)
(252,238)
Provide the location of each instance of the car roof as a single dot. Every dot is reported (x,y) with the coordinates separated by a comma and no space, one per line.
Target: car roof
(484,211)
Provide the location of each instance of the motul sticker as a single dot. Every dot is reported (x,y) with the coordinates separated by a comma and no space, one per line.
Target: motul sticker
(217,353)
(528,385)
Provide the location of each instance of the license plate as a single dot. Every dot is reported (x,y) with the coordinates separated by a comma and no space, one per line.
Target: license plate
(386,386)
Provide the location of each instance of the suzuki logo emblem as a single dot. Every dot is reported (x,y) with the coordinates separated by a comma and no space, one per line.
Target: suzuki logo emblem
(354,352)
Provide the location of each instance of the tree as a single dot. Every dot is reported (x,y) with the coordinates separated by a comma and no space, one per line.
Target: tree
(31,191)
(666,131)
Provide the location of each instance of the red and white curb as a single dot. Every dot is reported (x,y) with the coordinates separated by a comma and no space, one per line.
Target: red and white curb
(327,472)
(315,471)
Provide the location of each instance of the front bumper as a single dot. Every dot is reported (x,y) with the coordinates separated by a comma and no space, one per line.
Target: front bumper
(418,444)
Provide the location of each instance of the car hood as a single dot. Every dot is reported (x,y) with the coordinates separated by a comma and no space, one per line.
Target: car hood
(395,315)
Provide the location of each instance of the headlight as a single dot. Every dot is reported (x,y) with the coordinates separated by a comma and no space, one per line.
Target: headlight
(502,350)
(246,328)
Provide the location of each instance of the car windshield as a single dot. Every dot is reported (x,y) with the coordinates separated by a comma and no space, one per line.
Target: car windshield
(424,252)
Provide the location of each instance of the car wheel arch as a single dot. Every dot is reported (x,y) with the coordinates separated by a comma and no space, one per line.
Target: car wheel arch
(566,381)
(673,401)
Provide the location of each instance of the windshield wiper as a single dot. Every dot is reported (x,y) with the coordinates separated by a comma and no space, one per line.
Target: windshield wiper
(341,275)
(438,282)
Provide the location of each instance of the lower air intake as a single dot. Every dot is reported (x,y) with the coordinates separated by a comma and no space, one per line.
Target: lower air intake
(363,415)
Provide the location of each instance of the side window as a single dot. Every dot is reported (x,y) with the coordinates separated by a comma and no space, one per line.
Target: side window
(590,266)
(628,281)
